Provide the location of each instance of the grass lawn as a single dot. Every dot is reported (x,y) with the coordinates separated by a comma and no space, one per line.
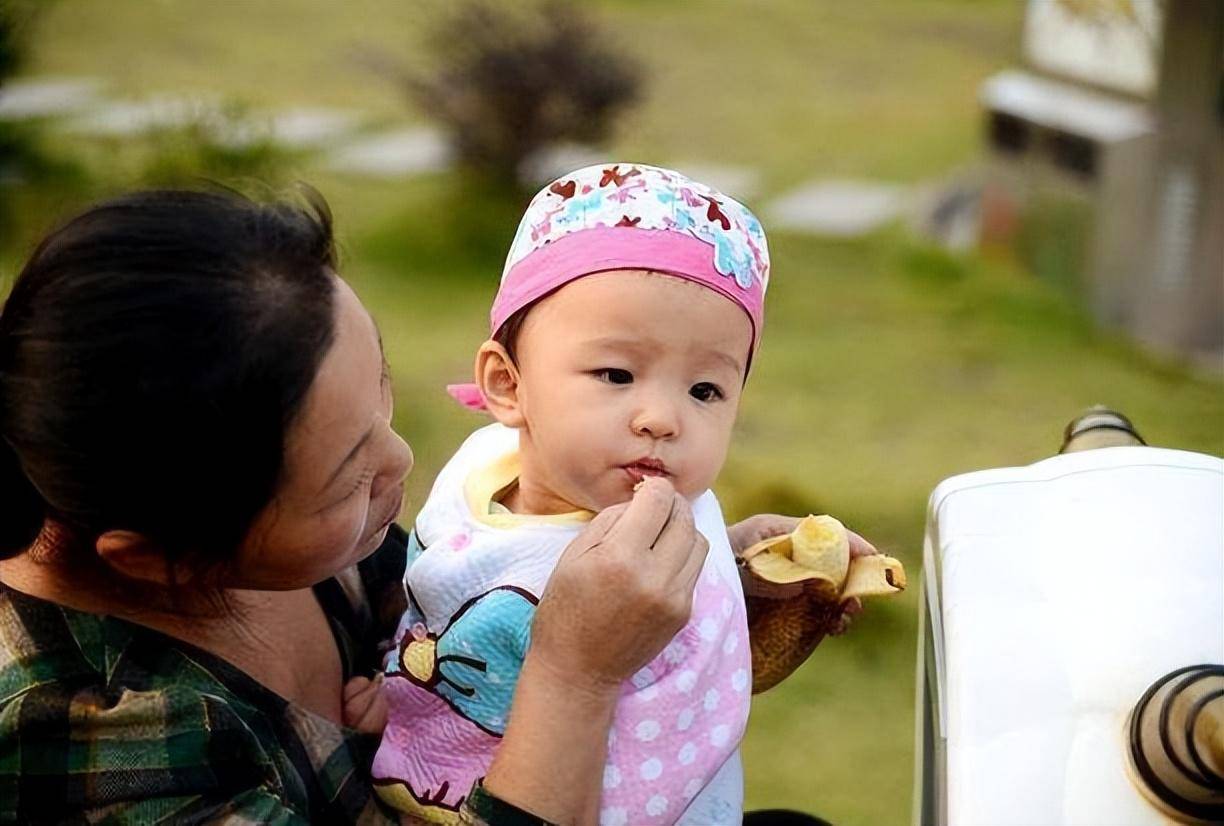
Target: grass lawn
(886,365)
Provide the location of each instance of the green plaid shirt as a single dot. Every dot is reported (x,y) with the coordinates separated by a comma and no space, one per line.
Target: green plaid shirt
(105,721)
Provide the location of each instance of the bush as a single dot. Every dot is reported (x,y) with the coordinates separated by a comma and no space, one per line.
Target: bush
(510,81)
(213,147)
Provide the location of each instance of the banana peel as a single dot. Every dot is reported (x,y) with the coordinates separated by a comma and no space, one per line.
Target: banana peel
(818,551)
(784,632)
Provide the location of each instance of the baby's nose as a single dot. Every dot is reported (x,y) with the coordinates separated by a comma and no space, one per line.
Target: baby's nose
(657,420)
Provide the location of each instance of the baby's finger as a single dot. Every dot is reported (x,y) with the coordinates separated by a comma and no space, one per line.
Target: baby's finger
(360,692)
(373,719)
(354,687)
(860,546)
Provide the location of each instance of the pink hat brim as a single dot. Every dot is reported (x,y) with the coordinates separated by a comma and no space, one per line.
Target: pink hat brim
(601,249)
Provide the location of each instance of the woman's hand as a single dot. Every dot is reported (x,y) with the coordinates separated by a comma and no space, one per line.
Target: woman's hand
(620,592)
(743,535)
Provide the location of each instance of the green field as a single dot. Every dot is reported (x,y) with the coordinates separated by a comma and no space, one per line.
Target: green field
(887,365)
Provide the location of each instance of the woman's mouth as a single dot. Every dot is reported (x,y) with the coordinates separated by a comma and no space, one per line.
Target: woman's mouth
(644,468)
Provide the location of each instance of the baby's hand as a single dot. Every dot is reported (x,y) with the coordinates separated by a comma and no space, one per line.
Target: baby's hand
(743,535)
(365,706)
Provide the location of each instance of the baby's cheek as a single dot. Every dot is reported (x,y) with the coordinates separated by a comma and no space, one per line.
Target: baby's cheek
(694,481)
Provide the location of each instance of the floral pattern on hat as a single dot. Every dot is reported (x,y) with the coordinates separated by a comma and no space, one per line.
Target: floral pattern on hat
(649,198)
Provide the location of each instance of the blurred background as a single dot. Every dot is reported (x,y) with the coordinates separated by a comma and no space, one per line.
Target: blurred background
(985,216)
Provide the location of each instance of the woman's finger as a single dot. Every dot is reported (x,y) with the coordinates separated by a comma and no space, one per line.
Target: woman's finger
(693,562)
(598,527)
(674,547)
(641,523)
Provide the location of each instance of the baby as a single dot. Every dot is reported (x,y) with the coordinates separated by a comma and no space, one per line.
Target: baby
(629,311)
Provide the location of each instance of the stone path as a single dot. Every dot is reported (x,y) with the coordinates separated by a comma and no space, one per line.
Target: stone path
(125,118)
(826,207)
(740,182)
(843,208)
(556,161)
(311,127)
(47,97)
(396,154)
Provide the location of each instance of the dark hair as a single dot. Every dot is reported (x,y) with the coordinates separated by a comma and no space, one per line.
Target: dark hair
(153,353)
(507,335)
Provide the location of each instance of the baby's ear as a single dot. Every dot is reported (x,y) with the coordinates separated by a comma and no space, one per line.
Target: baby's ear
(499,382)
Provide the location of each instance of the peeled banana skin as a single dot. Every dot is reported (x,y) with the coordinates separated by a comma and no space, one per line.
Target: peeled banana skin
(783,633)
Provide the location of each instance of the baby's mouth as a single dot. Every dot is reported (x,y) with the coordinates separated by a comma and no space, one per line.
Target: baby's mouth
(644,468)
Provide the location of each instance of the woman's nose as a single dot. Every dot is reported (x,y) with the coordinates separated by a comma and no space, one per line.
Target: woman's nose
(398,462)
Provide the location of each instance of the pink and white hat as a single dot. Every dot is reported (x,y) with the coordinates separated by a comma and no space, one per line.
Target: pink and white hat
(631,216)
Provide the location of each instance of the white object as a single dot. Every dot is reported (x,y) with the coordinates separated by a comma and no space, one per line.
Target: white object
(837,208)
(1114,45)
(1065,107)
(1056,594)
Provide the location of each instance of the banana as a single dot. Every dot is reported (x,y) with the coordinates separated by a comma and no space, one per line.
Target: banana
(818,551)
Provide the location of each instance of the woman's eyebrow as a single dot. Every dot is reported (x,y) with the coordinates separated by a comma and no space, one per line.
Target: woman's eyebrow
(382,351)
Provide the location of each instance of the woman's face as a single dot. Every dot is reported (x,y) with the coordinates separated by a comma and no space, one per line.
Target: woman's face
(342,484)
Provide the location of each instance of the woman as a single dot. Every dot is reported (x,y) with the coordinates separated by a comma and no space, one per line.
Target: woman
(199,481)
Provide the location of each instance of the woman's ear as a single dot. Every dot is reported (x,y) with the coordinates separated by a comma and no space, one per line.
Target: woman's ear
(500,384)
(134,556)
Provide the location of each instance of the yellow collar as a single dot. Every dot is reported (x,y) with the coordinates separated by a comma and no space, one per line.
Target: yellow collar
(485,483)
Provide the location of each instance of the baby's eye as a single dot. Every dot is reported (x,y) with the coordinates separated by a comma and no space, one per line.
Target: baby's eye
(705,392)
(614,375)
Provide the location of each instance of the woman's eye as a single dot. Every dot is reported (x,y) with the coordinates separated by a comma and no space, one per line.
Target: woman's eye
(705,392)
(363,480)
(614,375)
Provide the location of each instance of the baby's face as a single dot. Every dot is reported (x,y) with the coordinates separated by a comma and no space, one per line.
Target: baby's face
(627,374)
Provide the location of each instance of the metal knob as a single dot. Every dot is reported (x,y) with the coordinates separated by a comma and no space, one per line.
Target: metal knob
(1099,427)
(1176,744)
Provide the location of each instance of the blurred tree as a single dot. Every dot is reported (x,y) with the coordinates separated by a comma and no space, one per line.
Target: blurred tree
(14,17)
(20,158)
(215,147)
(509,81)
